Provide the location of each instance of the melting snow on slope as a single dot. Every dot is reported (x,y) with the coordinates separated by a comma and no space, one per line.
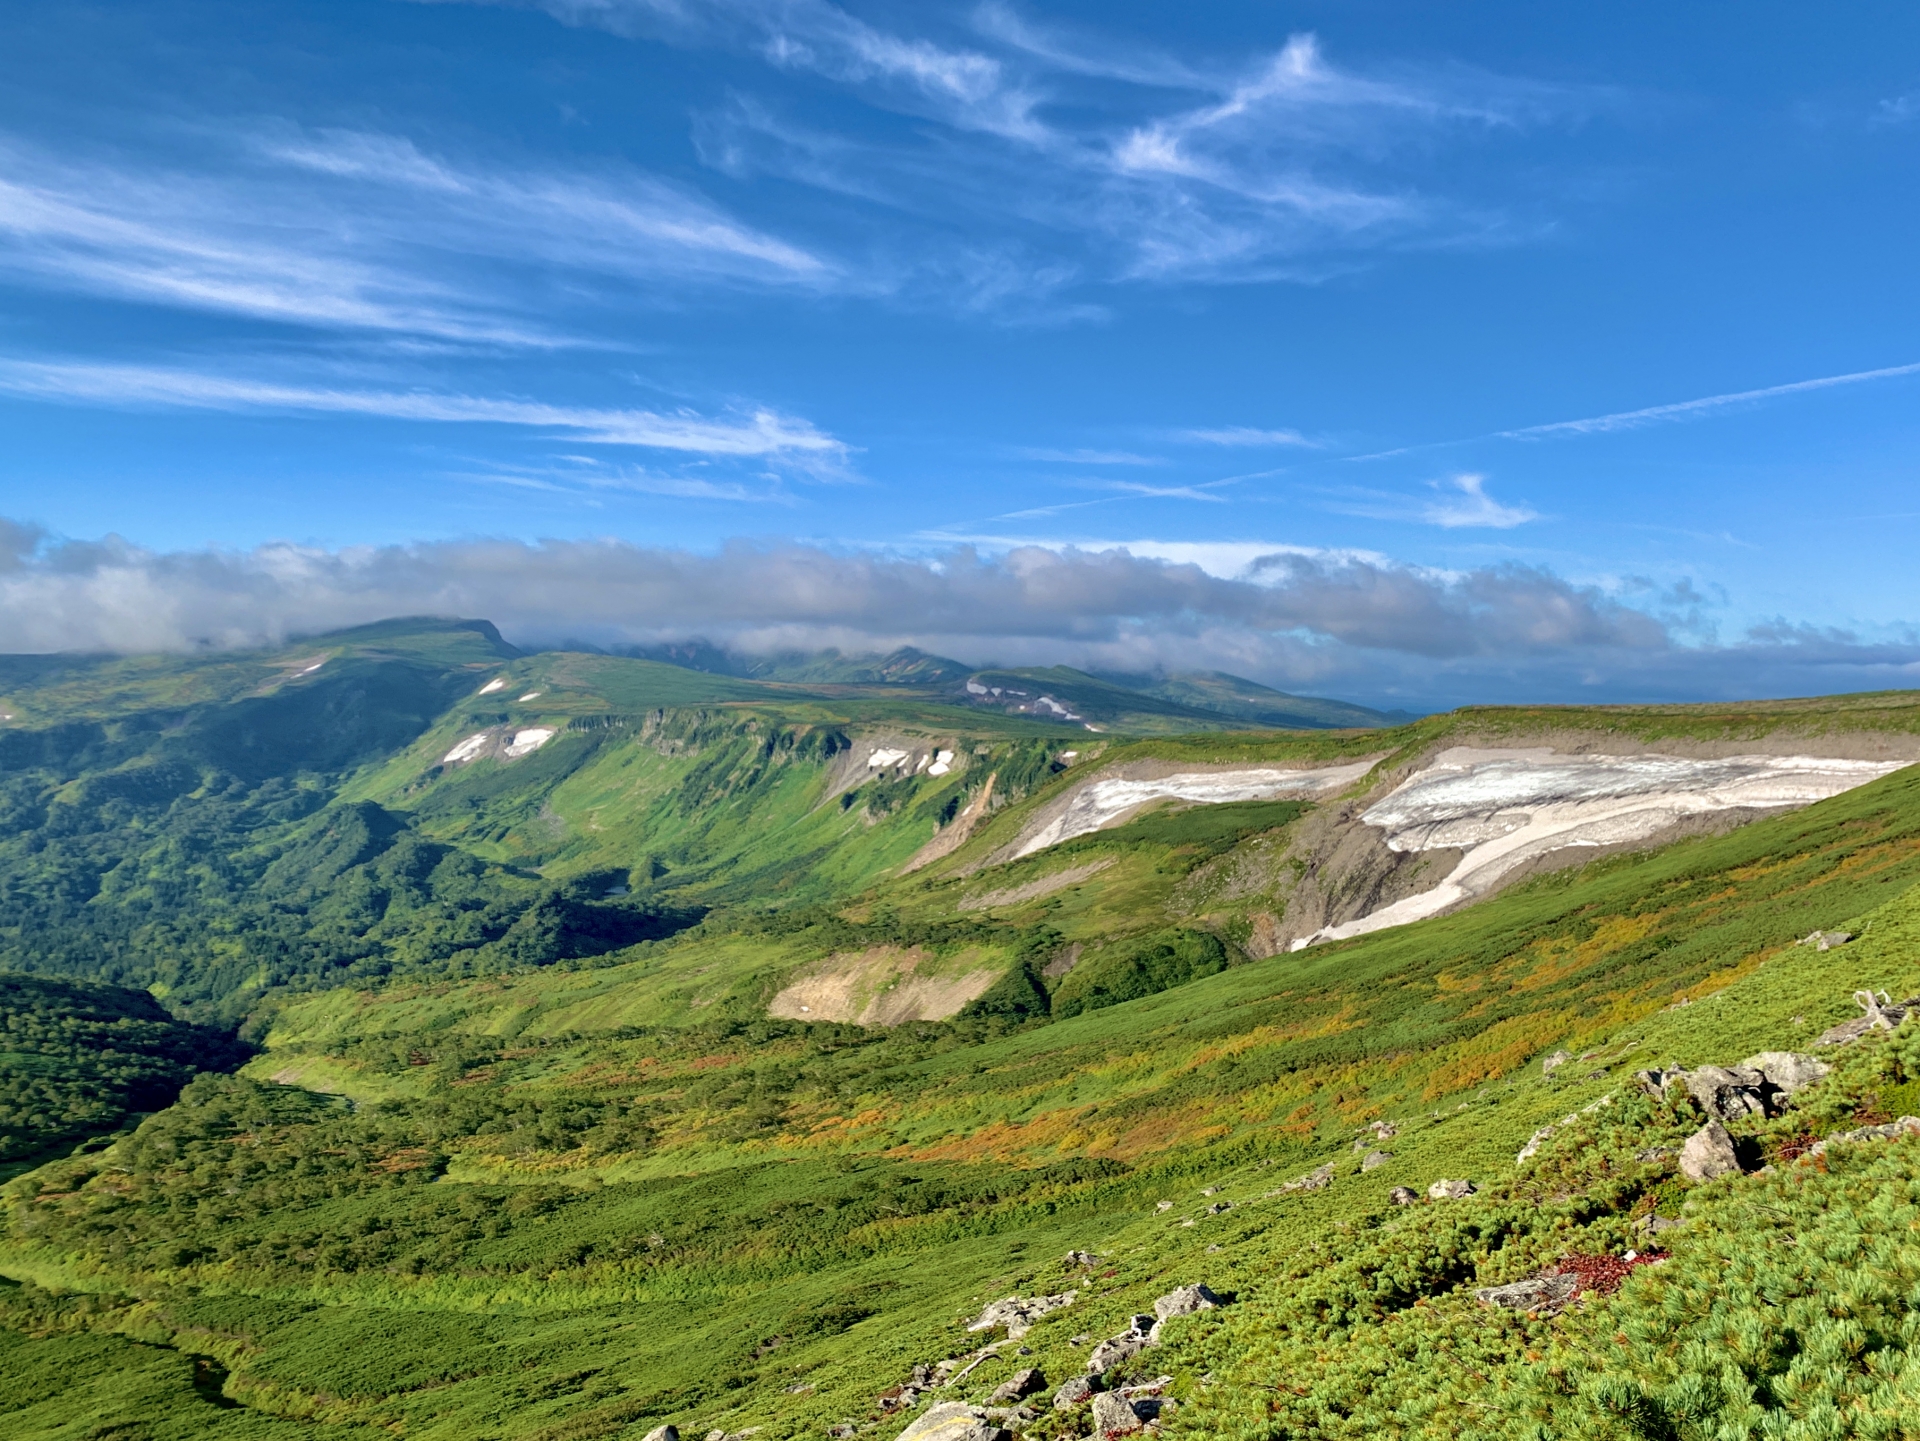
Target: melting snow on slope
(1101,802)
(500,683)
(530,695)
(466,750)
(942,763)
(526,742)
(881,759)
(1507,807)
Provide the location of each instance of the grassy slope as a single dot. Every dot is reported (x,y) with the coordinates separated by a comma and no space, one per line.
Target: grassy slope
(803,1177)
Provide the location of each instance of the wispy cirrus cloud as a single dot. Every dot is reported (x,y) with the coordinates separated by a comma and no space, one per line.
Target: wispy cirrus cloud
(1705,405)
(1086,456)
(354,231)
(1137,165)
(752,433)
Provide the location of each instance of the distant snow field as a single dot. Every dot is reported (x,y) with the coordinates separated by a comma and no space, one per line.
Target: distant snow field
(530,695)
(526,742)
(466,750)
(493,685)
(942,763)
(1099,803)
(1505,808)
(881,759)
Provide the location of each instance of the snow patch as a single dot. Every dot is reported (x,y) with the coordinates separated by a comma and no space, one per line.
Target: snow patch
(466,750)
(530,695)
(309,670)
(942,763)
(1100,803)
(1505,808)
(526,742)
(881,759)
(493,685)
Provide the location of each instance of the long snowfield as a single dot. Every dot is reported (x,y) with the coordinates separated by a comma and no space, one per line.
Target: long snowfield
(1504,808)
(1102,803)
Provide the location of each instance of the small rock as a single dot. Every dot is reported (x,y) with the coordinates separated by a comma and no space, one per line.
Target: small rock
(955,1421)
(1163,1205)
(1114,1415)
(663,1433)
(1655,1225)
(1403,1195)
(1375,1158)
(1018,1313)
(1022,1384)
(1210,1190)
(1074,1393)
(1315,1180)
(1533,1294)
(1534,1143)
(1649,1155)
(1550,1064)
(844,1429)
(1186,1301)
(1084,1258)
(1450,1190)
(1383,1130)
(1827,940)
(1218,1207)
(1708,1153)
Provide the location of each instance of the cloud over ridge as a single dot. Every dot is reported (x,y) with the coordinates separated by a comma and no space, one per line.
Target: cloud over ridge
(1291,618)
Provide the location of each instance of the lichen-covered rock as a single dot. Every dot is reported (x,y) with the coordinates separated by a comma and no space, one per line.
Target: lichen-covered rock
(1451,1190)
(1550,1064)
(1708,1154)
(1403,1195)
(1128,1344)
(955,1421)
(1185,1301)
(663,1433)
(1375,1158)
(1536,1293)
(1892,1131)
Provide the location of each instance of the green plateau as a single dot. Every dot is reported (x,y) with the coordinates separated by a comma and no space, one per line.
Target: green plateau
(407,1035)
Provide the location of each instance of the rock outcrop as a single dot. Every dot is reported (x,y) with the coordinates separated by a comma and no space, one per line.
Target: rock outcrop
(1892,1131)
(1450,1190)
(1403,1195)
(1019,1386)
(1115,1415)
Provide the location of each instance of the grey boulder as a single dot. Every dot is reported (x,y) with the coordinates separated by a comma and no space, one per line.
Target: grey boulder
(1022,1384)
(1403,1195)
(1076,1392)
(1115,1415)
(1879,1014)
(1788,1071)
(1451,1190)
(1375,1158)
(663,1433)
(1727,1093)
(1708,1154)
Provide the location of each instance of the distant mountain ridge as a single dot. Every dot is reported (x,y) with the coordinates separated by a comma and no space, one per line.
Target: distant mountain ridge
(1104,700)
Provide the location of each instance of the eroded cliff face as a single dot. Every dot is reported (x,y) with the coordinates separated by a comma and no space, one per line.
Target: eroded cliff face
(1445,828)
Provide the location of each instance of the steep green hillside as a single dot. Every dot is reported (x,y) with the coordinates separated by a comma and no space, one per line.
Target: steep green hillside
(561,1124)
(79,1060)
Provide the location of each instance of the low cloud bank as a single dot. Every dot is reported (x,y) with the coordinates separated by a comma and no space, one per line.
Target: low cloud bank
(1382,631)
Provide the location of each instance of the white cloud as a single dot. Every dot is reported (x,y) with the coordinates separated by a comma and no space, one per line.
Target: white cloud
(1245,436)
(1086,457)
(758,432)
(1470,505)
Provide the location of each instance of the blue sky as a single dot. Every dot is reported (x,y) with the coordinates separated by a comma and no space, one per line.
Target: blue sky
(1421,354)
